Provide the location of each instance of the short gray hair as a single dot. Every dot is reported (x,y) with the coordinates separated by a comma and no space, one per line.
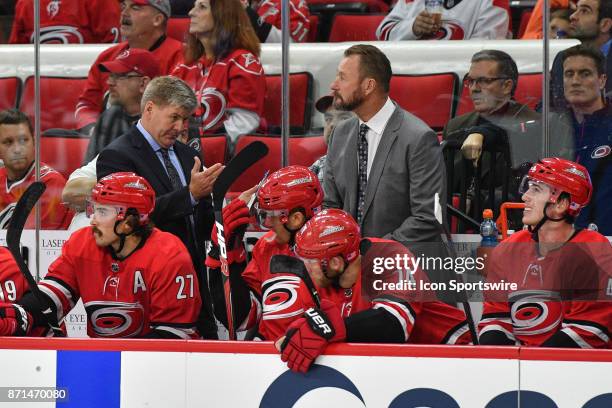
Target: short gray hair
(169,90)
(506,66)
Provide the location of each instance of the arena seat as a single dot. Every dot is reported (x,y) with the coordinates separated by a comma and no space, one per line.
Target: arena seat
(434,103)
(313,32)
(355,27)
(10,89)
(303,150)
(528,92)
(300,84)
(57,103)
(372,6)
(63,150)
(178,27)
(214,148)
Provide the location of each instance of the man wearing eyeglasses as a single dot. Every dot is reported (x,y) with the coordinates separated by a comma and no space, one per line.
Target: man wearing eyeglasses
(491,82)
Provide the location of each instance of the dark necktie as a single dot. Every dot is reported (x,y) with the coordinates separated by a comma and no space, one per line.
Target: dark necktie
(175,179)
(362,152)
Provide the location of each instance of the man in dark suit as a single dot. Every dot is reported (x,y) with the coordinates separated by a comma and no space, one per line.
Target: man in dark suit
(150,149)
(385,166)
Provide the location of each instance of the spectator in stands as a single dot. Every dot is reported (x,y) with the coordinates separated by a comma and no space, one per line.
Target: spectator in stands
(143,25)
(592,25)
(222,65)
(589,121)
(384,166)
(67,22)
(266,19)
(534,26)
(17,152)
(332,117)
(150,149)
(456,20)
(491,81)
(559,27)
(130,73)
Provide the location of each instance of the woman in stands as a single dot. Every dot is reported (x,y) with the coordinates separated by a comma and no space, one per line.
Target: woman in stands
(222,65)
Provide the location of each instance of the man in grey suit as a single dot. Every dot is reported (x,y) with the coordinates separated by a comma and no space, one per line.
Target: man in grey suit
(385,167)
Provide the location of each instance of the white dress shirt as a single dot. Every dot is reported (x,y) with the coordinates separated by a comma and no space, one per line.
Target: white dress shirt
(376,127)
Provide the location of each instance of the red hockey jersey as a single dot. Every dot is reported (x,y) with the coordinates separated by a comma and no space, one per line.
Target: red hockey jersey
(277,299)
(167,50)
(67,22)
(534,312)
(54,215)
(299,15)
(155,288)
(423,322)
(234,82)
(12,284)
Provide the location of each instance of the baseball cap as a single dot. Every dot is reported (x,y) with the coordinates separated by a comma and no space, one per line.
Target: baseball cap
(133,59)
(161,5)
(323,103)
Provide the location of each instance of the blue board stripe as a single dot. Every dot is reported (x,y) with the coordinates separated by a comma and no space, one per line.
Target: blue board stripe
(92,378)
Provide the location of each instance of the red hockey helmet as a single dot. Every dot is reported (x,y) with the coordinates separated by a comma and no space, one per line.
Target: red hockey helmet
(125,190)
(287,189)
(562,176)
(330,233)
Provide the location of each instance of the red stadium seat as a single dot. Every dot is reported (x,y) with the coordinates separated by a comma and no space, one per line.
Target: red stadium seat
(300,85)
(178,27)
(57,103)
(313,32)
(524,21)
(528,92)
(373,6)
(10,89)
(355,27)
(214,149)
(63,150)
(430,97)
(303,150)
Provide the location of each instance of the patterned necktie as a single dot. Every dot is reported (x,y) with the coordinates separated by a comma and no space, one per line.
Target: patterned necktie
(362,152)
(175,179)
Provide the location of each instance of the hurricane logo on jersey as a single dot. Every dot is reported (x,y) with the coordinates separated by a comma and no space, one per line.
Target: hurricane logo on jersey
(535,312)
(59,35)
(449,31)
(115,319)
(601,151)
(280,298)
(213,105)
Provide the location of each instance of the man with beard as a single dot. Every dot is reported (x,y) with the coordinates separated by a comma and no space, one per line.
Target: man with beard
(385,166)
(143,25)
(591,24)
(134,280)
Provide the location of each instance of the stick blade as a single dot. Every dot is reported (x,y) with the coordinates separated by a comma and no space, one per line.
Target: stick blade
(22,210)
(245,158)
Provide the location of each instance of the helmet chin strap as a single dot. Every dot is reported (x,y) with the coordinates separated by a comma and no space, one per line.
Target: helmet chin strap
(534,230)
(292,234)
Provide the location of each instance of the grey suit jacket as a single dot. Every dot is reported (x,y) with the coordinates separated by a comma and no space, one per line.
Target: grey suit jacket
(407,173)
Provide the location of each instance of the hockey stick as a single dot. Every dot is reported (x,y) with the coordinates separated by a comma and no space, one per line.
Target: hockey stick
(248,156)
(13,237)
(295,266)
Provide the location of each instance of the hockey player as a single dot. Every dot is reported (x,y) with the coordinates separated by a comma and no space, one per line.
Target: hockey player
(329,245)
(222,66)
(67,22)
(12,284)
(459,20)
(134,280)
(559,270)
(17,152)
(285,201)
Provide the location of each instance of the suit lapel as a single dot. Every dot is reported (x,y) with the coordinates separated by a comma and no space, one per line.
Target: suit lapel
(351,168)
(149,157)
(185,159)
(380,158)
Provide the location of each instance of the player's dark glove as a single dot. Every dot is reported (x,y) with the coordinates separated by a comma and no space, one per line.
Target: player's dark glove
(236,218)
(307,337)
(14,320)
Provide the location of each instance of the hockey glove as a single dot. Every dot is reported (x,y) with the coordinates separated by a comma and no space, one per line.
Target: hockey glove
(235,220)
(308,336)
(14,320)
